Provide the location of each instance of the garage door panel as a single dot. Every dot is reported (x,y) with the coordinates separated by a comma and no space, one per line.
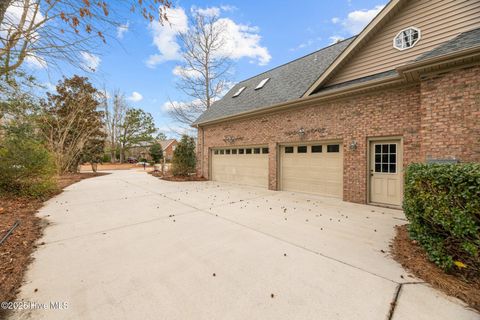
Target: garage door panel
(247,169)
(320,173)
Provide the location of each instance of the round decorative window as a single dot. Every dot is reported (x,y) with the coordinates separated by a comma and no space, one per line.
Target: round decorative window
(407,38)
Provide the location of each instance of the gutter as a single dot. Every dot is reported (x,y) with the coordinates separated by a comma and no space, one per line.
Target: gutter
(435,61)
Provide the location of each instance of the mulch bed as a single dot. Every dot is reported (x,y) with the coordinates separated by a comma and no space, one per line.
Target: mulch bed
(413,258)
(16,250)
(176,178)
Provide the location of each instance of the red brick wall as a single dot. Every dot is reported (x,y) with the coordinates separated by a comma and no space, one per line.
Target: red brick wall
(437,118)
(450,110)
(389,113)
(169,150)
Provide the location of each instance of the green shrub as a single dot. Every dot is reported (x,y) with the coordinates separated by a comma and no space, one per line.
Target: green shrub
(442,203)
(26,168)
(183,162)
(156,152)
(106,158)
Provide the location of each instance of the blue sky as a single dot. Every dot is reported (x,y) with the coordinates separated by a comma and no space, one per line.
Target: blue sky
(140,59)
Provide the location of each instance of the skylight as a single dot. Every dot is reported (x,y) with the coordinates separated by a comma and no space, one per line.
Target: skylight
(238,92)
(262,83)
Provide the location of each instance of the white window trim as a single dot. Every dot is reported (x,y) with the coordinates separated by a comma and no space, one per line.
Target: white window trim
(396,36)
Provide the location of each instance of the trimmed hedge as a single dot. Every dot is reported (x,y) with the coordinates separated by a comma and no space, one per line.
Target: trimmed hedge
(442,203)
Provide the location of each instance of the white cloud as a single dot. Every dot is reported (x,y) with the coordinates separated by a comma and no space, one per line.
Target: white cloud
(122,29)
(135,97)
(228,8)
(179,71)
(10,24)
(90,61)
(243,41)
(14,14)
(208,12)
(358,19)
(165,37)
(170,105)
(35,62)
(335,39)
(240,41)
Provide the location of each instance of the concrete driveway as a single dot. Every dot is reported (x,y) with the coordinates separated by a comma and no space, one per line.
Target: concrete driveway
(130,246)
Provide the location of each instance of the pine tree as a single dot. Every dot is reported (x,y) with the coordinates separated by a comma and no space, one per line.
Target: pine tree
(184,157)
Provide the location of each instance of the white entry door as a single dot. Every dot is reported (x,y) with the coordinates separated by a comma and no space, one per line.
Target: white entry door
(386,169)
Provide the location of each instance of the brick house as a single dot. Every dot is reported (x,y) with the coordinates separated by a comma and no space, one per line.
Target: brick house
(168,147)
(142,150)
(346,120)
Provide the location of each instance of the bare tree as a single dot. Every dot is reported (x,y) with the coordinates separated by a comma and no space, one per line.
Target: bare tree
(114,119)
(204,68)
(49,31)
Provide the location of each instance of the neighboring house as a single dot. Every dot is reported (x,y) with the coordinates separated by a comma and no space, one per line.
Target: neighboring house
(168,147)
(142,150)
(344,121)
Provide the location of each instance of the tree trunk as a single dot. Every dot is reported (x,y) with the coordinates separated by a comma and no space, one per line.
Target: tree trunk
(94,166)
(122,155)
(113,156)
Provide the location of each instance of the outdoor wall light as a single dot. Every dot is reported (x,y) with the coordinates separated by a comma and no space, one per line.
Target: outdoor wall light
(301,132)
(353,145)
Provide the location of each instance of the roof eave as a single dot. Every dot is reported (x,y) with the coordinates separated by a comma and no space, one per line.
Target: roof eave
(331,94)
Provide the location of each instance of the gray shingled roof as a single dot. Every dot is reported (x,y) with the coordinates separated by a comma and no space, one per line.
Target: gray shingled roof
(463,41)
(287,82)
(290,81)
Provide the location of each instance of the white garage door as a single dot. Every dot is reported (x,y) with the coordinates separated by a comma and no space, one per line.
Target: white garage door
(248,166)
(312,168)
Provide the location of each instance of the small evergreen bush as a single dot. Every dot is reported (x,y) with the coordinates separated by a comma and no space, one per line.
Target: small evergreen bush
(184,159)
(156,152)
(442,203)
(26,168)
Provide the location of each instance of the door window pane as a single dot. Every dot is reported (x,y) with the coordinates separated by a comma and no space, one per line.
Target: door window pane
(317,149)
(385,158)
(256,150)
(264,150)
(227,151)
(288,149)
(241,151)
(215,151)
(248,151)
(222,151)
(234,151)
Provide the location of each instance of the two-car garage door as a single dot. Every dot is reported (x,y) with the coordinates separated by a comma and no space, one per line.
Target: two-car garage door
(309,168)
(314,168)
(248,166)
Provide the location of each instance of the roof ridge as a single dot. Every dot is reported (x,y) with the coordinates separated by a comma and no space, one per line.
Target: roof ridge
(296,59)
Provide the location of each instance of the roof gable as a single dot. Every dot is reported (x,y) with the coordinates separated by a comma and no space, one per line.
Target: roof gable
(360,39)
(373,52)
